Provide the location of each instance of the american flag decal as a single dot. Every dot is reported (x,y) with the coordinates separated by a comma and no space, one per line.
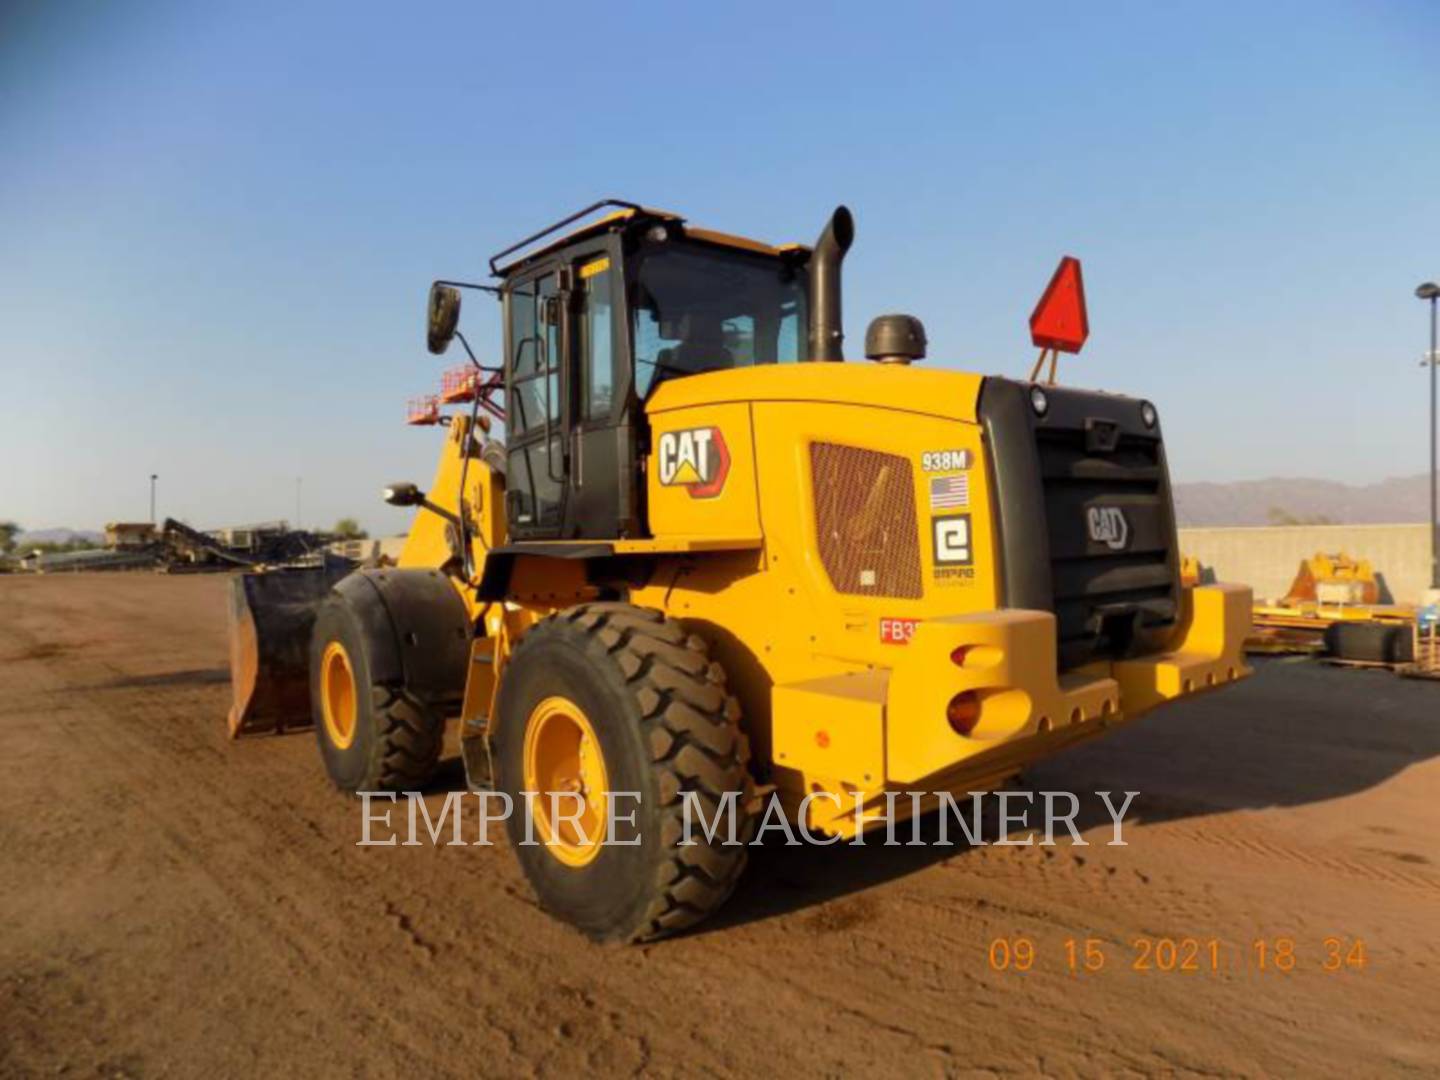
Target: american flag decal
(950,492)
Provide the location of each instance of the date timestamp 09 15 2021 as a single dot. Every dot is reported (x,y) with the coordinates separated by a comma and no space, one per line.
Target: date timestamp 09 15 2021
(1181,955)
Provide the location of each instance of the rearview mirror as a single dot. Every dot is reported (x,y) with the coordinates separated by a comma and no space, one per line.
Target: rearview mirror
(443,315)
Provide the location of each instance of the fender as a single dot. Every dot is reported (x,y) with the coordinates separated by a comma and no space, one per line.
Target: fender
(417,631)
(500,562)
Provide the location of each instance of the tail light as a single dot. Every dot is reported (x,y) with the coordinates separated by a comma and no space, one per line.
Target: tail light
(963,712)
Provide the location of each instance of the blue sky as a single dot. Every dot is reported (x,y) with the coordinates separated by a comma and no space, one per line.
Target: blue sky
(218,221)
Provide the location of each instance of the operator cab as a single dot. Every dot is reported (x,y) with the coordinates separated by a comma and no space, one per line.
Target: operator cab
(595,321)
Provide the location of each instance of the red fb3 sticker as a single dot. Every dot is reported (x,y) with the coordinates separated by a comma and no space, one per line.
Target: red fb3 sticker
(897,631)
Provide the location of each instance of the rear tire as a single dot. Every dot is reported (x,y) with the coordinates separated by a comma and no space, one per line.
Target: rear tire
(647,693)
(371,737)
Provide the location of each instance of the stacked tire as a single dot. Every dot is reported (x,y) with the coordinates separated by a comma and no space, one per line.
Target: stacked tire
(1370,642)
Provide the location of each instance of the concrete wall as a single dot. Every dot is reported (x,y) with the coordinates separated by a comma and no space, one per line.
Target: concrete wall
(1266,558)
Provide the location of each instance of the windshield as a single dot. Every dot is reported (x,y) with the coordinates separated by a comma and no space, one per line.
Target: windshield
(700,308)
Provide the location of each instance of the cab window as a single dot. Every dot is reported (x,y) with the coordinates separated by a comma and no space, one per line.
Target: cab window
(596,346)
(702,308)
(534,359)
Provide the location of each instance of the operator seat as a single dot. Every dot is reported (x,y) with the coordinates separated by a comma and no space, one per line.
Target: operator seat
(702,348)
(702,345)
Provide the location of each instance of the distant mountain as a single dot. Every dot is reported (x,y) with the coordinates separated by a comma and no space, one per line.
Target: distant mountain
(1274,502)
(59,536)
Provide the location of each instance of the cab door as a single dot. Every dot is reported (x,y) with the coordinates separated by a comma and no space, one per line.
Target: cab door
(572,454)
(536,467)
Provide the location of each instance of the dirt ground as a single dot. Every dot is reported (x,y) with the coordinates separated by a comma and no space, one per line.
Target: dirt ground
(175,904)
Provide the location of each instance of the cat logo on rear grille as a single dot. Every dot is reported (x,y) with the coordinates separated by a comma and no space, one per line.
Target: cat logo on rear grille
(1108,526)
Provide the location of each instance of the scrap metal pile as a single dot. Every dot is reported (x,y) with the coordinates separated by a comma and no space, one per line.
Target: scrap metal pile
(178,548)
(182,548)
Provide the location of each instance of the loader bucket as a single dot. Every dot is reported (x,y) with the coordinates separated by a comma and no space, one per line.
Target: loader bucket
(271,615)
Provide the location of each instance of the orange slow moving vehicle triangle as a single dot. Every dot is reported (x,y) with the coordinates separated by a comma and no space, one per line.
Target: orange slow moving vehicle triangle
(1059,320)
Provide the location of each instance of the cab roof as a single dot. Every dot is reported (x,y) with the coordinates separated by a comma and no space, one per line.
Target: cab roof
(623,214)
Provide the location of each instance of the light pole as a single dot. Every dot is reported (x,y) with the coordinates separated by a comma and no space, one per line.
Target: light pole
(153,478)
(297,502)
(1430,291)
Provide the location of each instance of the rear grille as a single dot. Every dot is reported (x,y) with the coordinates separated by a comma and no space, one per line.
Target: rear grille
(1066,483)
(865,520)
(1107,599)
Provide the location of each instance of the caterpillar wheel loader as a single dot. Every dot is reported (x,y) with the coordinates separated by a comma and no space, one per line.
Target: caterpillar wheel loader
(713,565)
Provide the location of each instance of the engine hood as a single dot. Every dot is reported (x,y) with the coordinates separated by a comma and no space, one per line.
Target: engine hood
(928,391)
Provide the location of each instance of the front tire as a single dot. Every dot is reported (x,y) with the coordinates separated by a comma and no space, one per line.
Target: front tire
(371,737)
(611,698)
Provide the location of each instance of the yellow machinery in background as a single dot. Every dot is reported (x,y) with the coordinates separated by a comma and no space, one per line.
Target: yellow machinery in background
(1190,571)
(711,566)
(1335,580)
(1333,607)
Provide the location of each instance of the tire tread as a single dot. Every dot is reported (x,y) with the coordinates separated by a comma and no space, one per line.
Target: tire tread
(410,736)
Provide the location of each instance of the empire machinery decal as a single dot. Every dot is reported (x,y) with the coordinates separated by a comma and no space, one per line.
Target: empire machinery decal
(696,459)
(954,550)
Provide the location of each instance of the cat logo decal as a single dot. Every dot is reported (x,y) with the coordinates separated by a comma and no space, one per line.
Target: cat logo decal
(696,459)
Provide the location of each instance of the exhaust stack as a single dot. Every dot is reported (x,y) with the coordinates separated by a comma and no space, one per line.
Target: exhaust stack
(827,335)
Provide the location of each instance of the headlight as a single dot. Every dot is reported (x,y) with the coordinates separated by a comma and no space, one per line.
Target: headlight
(1038,401)
(1148,414)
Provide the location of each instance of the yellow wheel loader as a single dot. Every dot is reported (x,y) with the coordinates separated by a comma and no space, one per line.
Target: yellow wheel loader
(713,568)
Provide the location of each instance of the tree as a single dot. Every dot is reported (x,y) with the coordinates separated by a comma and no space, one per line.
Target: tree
(349,529)
(1278,515)
(8,532)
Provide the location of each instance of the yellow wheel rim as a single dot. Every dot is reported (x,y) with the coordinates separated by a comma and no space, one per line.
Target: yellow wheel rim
(338,695)
(566,770)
